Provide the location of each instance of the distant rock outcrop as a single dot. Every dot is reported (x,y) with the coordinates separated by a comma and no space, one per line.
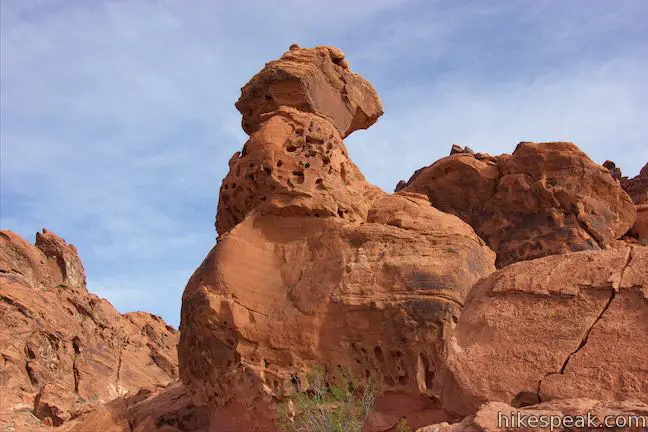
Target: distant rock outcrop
(544,199)
(66,351)
(637,188)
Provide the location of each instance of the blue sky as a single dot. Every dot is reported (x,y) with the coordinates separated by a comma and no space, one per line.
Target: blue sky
(117,117)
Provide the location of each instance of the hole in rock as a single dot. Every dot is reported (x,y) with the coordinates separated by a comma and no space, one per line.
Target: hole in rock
(291,148)
(378,352)
(267,170)
(318,181)
(299,176)
(307,165)
(524,399)
(279,163)
(340,213)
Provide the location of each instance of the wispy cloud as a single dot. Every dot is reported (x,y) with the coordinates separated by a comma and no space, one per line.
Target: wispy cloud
(117,117)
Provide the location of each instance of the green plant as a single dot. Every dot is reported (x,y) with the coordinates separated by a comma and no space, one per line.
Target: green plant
(402,426)
(335,402)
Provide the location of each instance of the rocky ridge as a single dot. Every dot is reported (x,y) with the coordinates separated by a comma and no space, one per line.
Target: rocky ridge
(65,351)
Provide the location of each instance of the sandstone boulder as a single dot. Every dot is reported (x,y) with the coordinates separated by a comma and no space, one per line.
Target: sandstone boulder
(64,350)
(544,199)
(559,327)
(316,81)
(316,267)
(280,294)
(168,409)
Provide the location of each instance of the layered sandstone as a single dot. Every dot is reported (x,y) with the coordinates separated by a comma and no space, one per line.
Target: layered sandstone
(544,199)
(315,266)
(64,350)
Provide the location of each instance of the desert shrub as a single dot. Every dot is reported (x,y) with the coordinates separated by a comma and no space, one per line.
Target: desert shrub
(402,426)
(335,402)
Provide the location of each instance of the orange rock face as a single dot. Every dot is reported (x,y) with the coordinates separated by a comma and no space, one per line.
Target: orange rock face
(315,266)
(149,410)
(559,327)
(544,199)
(316,81)
(64,350)
(295,164)
(637,187)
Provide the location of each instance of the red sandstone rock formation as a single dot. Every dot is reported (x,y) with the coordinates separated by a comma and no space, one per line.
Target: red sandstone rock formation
(64,350)
(559,327)
(544,199)
(314,265)
(637,188)
(316,81)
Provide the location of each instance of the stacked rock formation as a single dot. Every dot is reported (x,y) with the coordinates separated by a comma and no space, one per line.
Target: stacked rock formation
(544,199)
(315,266)
(66,351)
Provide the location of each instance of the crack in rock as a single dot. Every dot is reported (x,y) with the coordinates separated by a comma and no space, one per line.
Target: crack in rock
(76,344)
(583,342)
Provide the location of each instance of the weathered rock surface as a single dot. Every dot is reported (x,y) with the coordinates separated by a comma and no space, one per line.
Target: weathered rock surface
(563,326)
(637,187)
(315,266)
(295,164)
(560,415)
(64,350)
(150,410)
(544,199)
(280,294)
(316,81)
